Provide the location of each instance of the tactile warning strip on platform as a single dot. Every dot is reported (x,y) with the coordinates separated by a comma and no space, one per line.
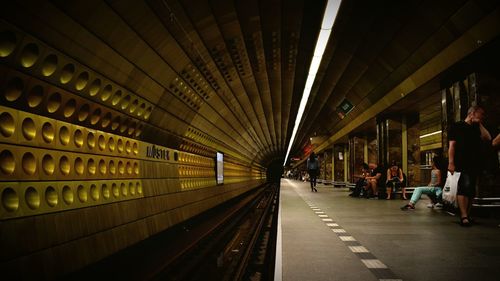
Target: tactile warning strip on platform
(377,267)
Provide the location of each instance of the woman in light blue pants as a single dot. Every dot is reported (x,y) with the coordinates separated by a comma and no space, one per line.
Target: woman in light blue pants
(433,190)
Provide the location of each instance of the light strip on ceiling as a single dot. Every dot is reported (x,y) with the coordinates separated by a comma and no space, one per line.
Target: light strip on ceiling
(332,8)
(430,134)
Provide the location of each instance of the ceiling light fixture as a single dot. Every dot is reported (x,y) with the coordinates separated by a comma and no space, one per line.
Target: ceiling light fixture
(332,8)
(430,134)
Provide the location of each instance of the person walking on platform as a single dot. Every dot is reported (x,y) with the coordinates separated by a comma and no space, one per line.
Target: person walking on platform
(464,156)
(313,169)
(433,189)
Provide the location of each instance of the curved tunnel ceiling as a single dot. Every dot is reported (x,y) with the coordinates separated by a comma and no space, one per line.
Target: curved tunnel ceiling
(221,75)
(228,75)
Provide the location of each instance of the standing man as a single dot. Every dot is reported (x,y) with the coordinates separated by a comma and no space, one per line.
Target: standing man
(464,154)
(313,169)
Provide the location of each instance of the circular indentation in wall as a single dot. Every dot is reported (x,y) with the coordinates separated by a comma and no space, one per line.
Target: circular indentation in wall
(106,93)
(128,147)
(106,120)
(94,192)
(116,97)
(48,164)
(29,129)
(49,65)
(148,112)
(7,43)
(138,131)
(136,168)
(29,163)
(79,166)
(115,190)
(142,108)
(105,191)
(111,144)
(67,194)
(10,200)
(78,138)
(81,81)
(131,129)
(82,193)
(123,187)
(67,73)
(95,87)
(131,188)
(32,198)
(14,89)
(64,135)
(70,108)
(84,112)
(7,162)
(119,146)
(96,116)
(135,148)
(125,102)
(54,102)
(91,140)
(112,167)
(91,166)
(121,168)
(7,126)
(102,167)
(129,168)
(101,142)
(48,132)
(133,106)
(138,187)
(124,126)
(35,96)
(64,165)
(51,196)
(29,55)
(116,123)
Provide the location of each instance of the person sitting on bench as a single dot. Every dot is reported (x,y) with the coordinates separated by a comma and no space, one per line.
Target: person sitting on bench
(433,189)
(394,179)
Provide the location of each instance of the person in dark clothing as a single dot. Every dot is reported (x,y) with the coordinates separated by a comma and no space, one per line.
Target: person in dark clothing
(361,182)
(394,179)
(465,140)
(373,180)
(313,169)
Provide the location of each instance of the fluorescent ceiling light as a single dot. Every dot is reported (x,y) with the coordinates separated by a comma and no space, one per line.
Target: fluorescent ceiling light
(430,134)
(332,8)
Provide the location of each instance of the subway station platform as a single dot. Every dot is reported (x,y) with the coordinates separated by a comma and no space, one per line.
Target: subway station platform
(330,236)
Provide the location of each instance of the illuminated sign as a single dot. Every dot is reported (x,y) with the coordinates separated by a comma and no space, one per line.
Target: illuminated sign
(219,161)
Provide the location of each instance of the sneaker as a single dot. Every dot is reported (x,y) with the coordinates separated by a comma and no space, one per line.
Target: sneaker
(438,206)
(430,205)
(407,207)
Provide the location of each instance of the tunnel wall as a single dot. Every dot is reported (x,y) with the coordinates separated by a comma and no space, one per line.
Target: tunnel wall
(78,181)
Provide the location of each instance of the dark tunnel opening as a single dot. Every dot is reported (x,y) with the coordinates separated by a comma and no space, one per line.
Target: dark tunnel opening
(275,171)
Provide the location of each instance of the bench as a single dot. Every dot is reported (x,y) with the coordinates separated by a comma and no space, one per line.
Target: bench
(350,185)
(339,184)
(486,202)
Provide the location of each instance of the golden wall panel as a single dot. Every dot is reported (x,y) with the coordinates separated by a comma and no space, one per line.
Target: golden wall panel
(41,61)
(21,199)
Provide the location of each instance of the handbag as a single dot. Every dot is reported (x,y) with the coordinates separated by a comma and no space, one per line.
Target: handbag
(450,188)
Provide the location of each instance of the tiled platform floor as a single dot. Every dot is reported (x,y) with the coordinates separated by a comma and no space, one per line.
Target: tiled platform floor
(330,236)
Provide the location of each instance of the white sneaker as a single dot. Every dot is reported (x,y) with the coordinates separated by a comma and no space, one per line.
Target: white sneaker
(438,206)
(431,205)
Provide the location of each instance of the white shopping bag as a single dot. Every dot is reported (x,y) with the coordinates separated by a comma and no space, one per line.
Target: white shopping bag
(450,188)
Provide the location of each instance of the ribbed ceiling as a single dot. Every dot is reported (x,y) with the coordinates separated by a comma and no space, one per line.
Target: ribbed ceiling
(228,75)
